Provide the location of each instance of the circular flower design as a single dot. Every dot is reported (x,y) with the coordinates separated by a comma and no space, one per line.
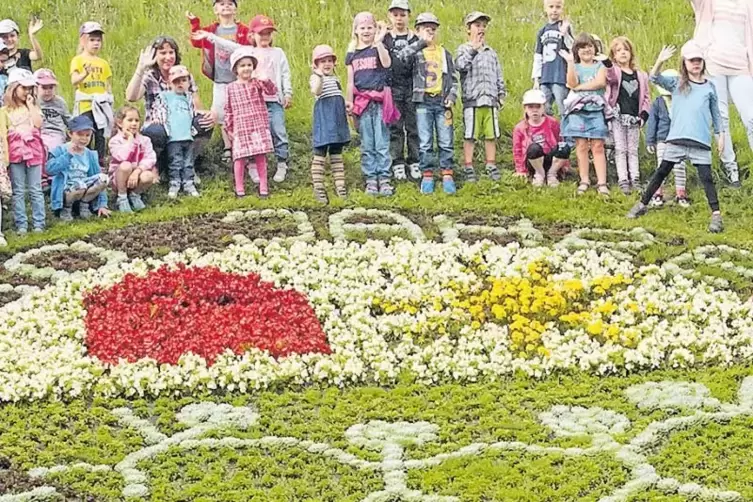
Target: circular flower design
(204,311)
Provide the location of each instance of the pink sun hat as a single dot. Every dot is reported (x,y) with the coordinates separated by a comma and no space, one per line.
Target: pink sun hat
(45,76)
(321,52)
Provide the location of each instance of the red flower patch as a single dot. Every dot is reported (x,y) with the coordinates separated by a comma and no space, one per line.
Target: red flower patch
(201,310)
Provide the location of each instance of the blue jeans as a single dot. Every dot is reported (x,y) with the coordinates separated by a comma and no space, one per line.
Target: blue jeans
(27,179)
(555,93)
(277,128)
(430,116)
(375,143)
(180,162)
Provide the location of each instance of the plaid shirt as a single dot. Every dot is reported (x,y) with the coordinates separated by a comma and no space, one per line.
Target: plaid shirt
(153,85)
(480,76)
(247,118)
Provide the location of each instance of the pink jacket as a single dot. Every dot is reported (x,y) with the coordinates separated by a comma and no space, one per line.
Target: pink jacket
(361,100)
(614,81)
(704,17)
(26,147)
(521,140)
(139,152)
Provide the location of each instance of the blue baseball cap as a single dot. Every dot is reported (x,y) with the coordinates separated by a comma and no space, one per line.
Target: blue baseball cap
(80,123)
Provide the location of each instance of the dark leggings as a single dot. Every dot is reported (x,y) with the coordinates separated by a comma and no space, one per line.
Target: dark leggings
(98,138)
(704,173)
(535,151)
(334,149)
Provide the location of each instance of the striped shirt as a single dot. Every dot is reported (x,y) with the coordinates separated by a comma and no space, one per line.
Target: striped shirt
(727,54)
(330,86)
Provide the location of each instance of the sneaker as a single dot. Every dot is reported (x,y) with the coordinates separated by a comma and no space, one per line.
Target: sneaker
(639,209)
(716,225)
(493,172)
(37,230)
(137,203)
(66,214)
(427,185)
(552,180)
(656,201)
(172,193)
(3,242)
(22,231)
(637,187)
(448,185)
(470,174)
(538,180)
(190,189)
(625,188)
(415,171)
(282,172)
(123,205)
(399,171)
(735,184)
(385,188)
(196,179)
(253,173)
(682,202)
(372,187)
(84,211)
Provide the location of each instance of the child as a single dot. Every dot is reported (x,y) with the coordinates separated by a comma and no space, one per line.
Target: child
(20,123)
(405,130)
(215,60)
(536,145)
(483,94)
(21,58)
(435,89)
(92,77)
(586,110)
(3,71)
(174,110)
(247,119)
(657,129)
(77,177)
(132,161)
(6,192)
(369,99)
(331,131)
(695,109)
(274,63)
(54,110)
(549,68)
(628,94)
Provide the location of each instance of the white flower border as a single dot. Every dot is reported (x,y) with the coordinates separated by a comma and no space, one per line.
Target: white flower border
(523,229)
(705,255)
(306,231)
(339,227)
(636,239)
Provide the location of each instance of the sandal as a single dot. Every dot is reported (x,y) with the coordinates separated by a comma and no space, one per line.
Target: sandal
(603,190)
(582,188)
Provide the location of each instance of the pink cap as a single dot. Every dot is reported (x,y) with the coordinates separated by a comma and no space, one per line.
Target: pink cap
(178,71)
(691,50)
(363,17)
(321,52)
(45,76)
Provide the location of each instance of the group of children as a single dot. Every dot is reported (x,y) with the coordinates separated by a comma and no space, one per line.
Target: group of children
(400,93)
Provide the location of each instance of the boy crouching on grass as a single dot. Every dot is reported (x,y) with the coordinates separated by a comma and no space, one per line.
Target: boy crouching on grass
(76,175)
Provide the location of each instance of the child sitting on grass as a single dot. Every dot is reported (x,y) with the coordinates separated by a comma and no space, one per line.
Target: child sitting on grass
(76,175)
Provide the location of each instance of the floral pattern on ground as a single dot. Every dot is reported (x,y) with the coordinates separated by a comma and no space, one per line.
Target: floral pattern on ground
(66,260)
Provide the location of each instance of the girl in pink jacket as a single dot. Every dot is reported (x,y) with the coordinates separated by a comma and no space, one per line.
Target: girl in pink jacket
(132,161)
(628,94)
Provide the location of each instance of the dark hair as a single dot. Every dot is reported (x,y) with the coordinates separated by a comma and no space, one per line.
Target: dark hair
(121,114)
(160,41)
(684,83)
(581,41)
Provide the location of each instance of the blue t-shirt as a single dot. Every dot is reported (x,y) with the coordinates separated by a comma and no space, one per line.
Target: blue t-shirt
(3,83)
(586,73)
(549,42)
(368,72)
(179,117)
(78,171)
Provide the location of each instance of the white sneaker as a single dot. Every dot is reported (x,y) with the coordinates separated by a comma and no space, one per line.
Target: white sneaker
(282,172)
(3,242)
(415,172)
(538,180)
(190,189)
(172,193)
(399,171)
(253,173)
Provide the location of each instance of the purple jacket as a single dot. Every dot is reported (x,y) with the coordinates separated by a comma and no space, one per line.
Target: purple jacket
(614,81)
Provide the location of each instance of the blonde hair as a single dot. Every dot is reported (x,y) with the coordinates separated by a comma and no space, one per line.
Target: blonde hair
(625,42)
(358,20)
(9,99)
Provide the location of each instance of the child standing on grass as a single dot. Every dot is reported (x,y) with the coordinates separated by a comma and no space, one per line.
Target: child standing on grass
(537,148)
(404,132)
(55,115)
(549,67)
(215,60)
(695,110)
(331,132)
(586,110)
(133,163)
(628,94)
(247,119)
(657,129)
(76,175)
(483,94)
(20,123)
(92,77)
(174,110)
(369,99)
(21,58)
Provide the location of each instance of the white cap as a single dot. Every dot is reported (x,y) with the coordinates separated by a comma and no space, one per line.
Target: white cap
(8,26)
(691,50)
(244,51)
(21,76)
(399,4)
(534,97)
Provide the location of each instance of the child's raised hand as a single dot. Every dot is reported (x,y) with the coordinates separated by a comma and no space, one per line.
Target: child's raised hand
(190,16)
(200,35)
(381,32)
(426,36)
(35,25)
(30,100)
(128,135)
(666,53)
(565,27)
(567,56)
(478,41)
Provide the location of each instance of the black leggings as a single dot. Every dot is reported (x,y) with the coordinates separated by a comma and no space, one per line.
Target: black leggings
(704,173)
(98,139)
(333,149)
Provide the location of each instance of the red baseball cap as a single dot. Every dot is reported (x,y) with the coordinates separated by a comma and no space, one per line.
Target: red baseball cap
(260,23)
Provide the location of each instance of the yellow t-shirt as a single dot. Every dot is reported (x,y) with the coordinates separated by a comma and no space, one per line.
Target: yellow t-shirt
(96,81)
(434,64)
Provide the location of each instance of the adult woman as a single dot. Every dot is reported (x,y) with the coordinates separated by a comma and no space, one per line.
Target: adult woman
(724,29)
(150,78)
